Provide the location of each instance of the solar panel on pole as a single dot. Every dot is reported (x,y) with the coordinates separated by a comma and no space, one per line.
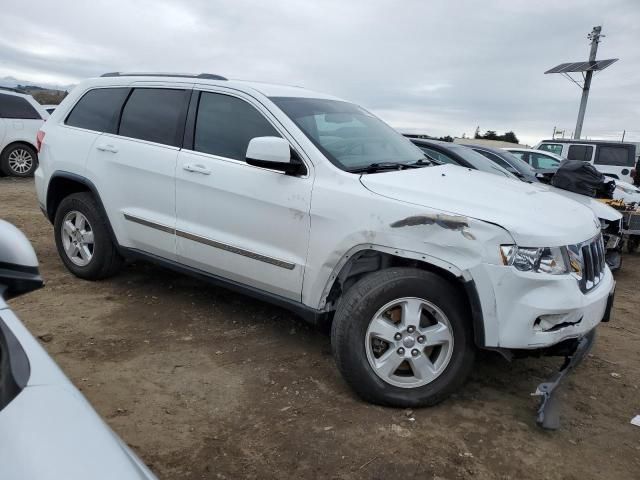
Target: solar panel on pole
(587,69)
(582,66)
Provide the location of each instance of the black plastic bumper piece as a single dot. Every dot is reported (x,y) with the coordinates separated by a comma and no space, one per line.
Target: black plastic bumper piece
(548,416)
(614,260)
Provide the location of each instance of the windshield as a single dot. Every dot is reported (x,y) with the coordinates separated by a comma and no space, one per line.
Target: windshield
(479,161)
(349,136)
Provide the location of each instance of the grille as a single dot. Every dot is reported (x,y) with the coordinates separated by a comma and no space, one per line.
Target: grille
(632,221)
(593,263)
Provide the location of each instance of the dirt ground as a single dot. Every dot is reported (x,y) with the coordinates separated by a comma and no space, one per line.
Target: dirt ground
(206,383)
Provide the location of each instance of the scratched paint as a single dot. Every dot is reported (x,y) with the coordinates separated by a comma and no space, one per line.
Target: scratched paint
(449,222)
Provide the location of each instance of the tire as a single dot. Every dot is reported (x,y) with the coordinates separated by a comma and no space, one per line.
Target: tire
(19,160)
(351,337)
(102,260)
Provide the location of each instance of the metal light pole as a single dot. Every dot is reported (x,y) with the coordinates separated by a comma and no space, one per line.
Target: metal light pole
(594,36)
(586,69)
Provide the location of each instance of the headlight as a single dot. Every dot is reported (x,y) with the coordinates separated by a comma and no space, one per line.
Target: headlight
(553,260)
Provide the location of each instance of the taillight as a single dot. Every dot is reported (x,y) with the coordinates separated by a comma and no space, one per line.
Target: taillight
(39,140)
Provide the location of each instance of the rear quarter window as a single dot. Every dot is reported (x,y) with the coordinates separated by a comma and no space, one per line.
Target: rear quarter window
(613,155)
(17,107)
(98,110)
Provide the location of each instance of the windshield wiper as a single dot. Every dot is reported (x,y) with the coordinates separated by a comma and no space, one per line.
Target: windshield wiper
(380,166)
(423,162)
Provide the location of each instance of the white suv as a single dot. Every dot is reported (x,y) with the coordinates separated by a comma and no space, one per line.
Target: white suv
(20,119)
(313,203)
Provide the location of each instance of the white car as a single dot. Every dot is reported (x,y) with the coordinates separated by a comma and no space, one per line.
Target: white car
(20,119)
(313,203)
(48,430)
(538,159)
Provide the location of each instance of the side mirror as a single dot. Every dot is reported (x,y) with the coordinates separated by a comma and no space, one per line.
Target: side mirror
(274,153)
(19,272)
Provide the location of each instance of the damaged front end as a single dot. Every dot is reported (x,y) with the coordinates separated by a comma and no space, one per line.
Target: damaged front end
(612,236)
(574,351)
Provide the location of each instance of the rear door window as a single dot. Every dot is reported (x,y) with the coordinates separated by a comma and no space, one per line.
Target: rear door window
(551,147)
(12,106)
(226,124)
(156,115)
(98,110)
(580,152)
(613,155)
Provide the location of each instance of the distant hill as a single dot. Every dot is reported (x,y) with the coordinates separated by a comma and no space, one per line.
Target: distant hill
(45,94)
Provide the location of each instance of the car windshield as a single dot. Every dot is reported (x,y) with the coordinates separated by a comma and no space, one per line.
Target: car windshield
(479,161)
(349,136)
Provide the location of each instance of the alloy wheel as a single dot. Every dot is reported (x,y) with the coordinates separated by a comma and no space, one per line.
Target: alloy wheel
(77,238)
(409,342)
(20,161)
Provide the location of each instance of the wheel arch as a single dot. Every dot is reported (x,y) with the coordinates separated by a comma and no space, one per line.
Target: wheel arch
(364,260)
(26,143)
(62,184)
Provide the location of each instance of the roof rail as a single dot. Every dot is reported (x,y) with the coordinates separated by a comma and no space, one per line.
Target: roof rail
(11,89)
(206,76)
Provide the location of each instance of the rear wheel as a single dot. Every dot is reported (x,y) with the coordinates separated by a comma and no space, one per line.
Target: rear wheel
(83,240)
(401,338)
(19,161)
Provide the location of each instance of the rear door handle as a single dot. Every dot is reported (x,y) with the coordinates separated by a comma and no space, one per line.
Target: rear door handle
(104,147)
(196,168)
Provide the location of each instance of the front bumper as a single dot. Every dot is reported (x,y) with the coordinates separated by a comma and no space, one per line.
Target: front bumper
(526,310)
(548,416)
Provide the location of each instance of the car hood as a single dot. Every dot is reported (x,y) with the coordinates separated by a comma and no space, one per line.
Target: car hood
(533,215)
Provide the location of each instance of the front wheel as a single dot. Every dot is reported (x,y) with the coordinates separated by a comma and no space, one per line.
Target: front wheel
(401,337)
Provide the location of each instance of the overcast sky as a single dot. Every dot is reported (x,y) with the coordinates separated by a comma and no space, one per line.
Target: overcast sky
(437,67)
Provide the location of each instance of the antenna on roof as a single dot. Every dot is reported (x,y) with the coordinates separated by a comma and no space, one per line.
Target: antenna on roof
(587,69)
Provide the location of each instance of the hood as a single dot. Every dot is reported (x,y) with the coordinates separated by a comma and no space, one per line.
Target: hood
(533,215)
(600,209)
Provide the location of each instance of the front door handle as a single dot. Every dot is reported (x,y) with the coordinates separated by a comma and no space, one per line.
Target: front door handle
(107,147)
(196,168)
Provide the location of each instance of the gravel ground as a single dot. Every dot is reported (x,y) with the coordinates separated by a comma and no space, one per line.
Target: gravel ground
(206,383)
